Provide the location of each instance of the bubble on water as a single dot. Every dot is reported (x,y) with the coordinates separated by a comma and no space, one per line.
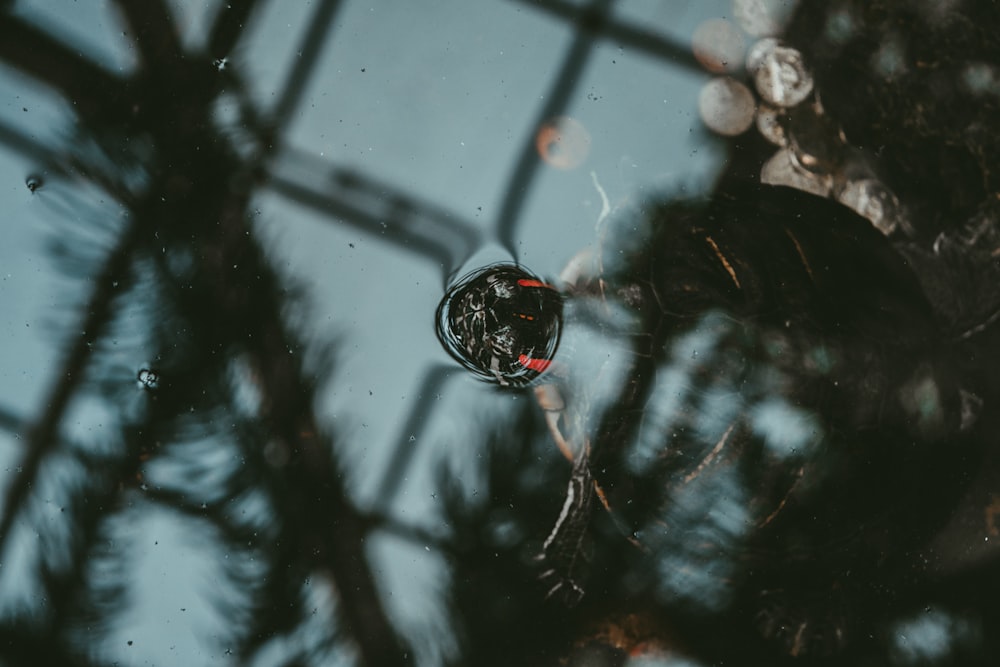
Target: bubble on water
(719,46)
(34,182)
(762,18)
(784,169)
(502,323)
(148,378)
(779,73)
(726,106)
(769,125)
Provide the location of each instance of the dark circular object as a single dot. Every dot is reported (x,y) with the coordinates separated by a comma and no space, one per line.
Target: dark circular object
(502,323)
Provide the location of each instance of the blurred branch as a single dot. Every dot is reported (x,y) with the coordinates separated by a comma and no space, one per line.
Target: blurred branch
(43,436)
(589,22)
(154,31)
(406,446)
(381,212)
(236,308)
(242,308)
(314,501)
(24,646)
(16,140)
(9,421)
(411,533)
(99,497)
(229,25)
(633,36)
(85,85)
(213,513)
(53,162)
(308,54)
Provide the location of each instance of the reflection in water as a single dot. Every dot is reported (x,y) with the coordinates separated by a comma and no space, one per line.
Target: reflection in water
(186,284)
(763,456)
(726,106)
(779,73)
(933,635)
(502,323)
(762,414)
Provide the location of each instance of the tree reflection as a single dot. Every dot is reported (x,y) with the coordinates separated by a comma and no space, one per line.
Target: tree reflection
(782,405)
(260,474)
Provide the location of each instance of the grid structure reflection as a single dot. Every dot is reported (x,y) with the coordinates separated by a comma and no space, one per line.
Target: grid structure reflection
(103,99)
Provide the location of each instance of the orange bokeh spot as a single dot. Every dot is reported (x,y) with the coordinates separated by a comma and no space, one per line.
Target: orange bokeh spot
(563,142)
(719,46)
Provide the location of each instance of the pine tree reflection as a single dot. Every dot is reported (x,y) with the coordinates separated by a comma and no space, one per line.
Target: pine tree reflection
(206,305)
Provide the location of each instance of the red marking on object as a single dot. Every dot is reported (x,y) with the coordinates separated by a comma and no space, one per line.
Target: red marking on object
(531,282)
(539,365)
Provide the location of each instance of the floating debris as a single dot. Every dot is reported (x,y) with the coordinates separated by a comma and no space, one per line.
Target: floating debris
(726,106)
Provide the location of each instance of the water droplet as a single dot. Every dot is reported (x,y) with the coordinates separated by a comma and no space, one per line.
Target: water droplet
(718,45)
(413,438)
(34,182)
(726,106)
(779,73)
(502,323)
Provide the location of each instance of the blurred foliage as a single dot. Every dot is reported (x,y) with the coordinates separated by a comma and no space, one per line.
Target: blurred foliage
(801,413)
